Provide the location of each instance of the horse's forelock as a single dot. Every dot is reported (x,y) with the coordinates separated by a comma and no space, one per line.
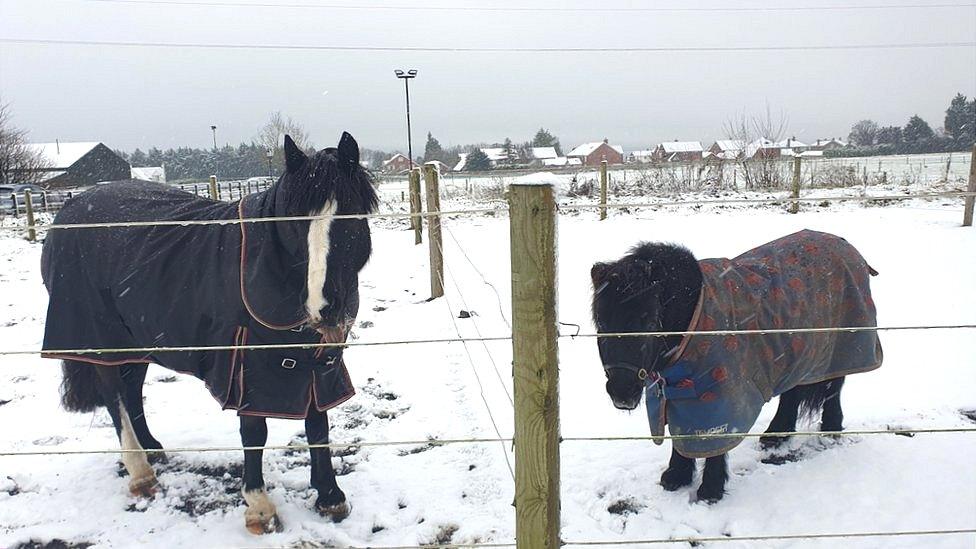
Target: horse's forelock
(323,180)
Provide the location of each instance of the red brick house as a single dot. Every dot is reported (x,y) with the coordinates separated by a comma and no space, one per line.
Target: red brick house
(397,163)
(591,154)
(678,151)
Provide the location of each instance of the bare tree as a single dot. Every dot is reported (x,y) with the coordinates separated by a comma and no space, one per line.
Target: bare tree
(760,166)
(272,135)
(19,163)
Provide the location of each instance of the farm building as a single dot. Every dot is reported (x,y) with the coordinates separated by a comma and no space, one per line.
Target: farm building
(156,174)
(727,149)
(79,164)
(765,148)
(498,157)
(644,156)
(544,153)
(397,163)
(562,161)
(678,151)
(590,154)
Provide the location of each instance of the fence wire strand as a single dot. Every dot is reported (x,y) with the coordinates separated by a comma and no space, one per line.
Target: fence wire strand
(693,540)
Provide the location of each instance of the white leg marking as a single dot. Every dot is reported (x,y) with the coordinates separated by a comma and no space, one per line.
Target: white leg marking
(318,255)
(142,480)
(261,516)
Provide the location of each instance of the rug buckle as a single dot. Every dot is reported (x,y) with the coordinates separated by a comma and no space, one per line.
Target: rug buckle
(288,363)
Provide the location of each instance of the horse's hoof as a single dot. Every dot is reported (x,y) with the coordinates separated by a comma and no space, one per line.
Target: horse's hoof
(673,479)
(768,443)
(709,495)
(145,487)
(259,525)
(335,513)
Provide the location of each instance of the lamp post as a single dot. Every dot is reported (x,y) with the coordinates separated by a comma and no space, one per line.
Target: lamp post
(270,156)
(406,76)
(214,130)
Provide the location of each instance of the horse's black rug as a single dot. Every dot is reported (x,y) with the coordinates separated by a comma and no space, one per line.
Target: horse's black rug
(181,286)
(718,384)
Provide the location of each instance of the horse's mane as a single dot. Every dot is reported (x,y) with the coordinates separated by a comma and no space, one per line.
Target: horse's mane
(352,187)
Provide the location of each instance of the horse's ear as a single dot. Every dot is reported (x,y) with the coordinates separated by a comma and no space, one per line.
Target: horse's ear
(294,157)
(348,150)
(598,273)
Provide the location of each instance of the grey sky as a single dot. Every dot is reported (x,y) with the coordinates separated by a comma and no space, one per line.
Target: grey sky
(140,97)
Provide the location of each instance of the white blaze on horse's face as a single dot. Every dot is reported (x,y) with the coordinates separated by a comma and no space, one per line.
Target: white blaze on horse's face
(318,255)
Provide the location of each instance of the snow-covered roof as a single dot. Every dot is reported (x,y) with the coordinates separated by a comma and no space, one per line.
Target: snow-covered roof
(562,161)
(462,160)
(395,157)
(586,149)
(497,154)
(725,145)
(789,143)
(441,167)
(681,146)
(543,153)
(642,155)
(62,155)
(156,173)
(825,142)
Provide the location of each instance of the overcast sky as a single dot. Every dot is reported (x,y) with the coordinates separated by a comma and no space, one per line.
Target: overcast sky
(130,97)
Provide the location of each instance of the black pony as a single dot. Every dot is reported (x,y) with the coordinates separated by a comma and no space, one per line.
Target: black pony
(716,384)
(159,286)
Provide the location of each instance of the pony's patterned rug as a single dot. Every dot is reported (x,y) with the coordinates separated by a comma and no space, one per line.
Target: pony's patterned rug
(190,286)
(718,384)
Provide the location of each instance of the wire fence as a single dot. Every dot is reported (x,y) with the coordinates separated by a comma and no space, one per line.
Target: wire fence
(149,351)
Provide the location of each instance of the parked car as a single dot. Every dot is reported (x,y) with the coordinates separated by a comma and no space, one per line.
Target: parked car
(40,198)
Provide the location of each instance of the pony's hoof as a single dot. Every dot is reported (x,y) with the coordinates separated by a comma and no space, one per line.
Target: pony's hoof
(673,479)
(769,443)
(145,487)
(710,495)
(258,524)
(335,513)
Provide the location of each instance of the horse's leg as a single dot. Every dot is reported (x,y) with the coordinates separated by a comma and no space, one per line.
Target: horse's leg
(785,419)
(679,472)
(261,517)
(331,502)
(142,480)
(133,376)
(713,479)
(833,417)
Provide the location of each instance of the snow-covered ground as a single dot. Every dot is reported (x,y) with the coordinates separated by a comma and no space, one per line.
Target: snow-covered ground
(463,493)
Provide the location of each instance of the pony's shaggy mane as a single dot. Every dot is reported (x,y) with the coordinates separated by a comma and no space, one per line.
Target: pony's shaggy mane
(351,186)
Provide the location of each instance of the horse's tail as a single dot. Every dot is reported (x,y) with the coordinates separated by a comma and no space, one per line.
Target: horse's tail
(79,387)
(812,397)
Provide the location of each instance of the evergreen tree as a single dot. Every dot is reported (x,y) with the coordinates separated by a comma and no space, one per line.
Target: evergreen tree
(433,150)
(889,135)
(917,130)
(545,139)
(508,149)
(477,161)
(863,133)
(138,159)
(955,117)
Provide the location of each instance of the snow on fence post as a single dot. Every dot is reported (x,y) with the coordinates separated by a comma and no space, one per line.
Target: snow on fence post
(535,370)
(795,192)
(213,188)
(967,214)
(29,205)
(416,222)
(603,189)
(431,181)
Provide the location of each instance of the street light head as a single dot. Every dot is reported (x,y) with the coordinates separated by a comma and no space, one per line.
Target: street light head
(412,72)
(405,75)
(213,127)
(398,73)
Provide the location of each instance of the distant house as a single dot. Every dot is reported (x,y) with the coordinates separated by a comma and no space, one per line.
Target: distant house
(678,151)
(397,163)
(562,161)
(644,156)
(765,148)
(727,149)
(591,154)
(827,144)
(441,167)
(155,174)
(544,153)
(79,164)
(498,157)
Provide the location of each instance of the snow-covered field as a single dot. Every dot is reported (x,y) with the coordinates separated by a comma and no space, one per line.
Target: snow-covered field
(463,493)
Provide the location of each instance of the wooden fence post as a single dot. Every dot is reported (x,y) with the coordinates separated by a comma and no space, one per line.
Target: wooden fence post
(603,189)
(29,204)
(213,188)
(13,199)
(416,222)
(431,176)
(967,213)
(795,205)
(532,209)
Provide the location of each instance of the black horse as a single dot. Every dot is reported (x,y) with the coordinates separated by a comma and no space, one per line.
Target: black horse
(716,384)
(238,283)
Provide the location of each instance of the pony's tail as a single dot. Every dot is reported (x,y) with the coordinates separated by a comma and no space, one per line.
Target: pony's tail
(79,387)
